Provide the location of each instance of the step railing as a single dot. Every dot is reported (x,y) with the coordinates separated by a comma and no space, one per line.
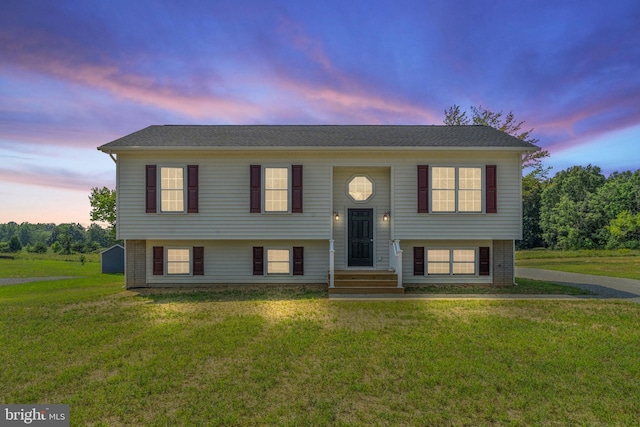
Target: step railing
(395,259)
(332,256)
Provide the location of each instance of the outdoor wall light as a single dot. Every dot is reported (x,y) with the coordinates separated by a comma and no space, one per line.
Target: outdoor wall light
(336,215)
(386,216)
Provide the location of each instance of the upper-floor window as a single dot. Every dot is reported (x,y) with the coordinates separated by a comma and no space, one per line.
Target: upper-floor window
(456,189)
(171,189)
(276,189)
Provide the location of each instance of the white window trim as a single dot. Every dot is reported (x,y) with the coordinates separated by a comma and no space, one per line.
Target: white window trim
(166,261)
(266,261)
(264,189)
(476,261)
(373,188)
(184,189)
(456,189)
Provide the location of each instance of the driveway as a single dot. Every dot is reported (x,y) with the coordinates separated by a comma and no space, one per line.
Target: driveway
(602,286)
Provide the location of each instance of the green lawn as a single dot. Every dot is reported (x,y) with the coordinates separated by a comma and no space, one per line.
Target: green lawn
(36,265)
(296,358)
(621,263)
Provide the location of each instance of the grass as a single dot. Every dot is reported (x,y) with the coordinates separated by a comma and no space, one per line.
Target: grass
(525,287)
(296,358)
(620,263)
(292,357)
(38,265)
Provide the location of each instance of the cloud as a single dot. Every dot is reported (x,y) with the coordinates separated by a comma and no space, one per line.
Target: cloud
(55,178)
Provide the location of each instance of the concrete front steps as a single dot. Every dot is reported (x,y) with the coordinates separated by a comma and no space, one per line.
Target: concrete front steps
(366,282)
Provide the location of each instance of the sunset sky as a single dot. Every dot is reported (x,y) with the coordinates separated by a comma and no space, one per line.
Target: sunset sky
(77,74)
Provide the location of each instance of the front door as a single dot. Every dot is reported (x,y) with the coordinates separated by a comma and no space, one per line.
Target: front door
(360,237)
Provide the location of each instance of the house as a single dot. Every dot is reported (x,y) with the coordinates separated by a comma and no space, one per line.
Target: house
(336,205)
(112,260)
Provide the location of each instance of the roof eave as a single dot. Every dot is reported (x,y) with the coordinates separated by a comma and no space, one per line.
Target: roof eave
(116,149)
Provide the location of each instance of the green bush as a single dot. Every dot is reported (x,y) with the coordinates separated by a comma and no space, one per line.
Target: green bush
(15,245)
(38,248)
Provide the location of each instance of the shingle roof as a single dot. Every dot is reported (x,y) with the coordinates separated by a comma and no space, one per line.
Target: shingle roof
(315,136)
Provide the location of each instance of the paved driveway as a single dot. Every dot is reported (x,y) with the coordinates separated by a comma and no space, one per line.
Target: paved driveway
(603,286)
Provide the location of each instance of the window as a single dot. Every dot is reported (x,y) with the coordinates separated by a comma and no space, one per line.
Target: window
(360,188)
(278,261)
(451,262)
(456,189)
(276,190)
(172,189)
(173,193)
(178,261)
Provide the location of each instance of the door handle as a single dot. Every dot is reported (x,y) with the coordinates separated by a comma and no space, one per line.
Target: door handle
(371,240)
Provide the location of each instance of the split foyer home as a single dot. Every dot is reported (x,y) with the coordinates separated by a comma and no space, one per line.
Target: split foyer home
(351,207)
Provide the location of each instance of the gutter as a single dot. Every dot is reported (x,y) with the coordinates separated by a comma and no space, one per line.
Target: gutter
(138,148)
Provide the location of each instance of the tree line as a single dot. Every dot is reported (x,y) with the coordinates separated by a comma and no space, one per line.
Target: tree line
(61,238)
(580,208)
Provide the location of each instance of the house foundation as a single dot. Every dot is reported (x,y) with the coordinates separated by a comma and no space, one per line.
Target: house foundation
(135,271)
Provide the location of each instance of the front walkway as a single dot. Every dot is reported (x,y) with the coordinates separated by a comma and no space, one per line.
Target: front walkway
(602,286)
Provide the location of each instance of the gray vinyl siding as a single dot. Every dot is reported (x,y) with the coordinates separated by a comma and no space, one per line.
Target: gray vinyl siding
(505,224)
(379,202)
(231,262)
(223,200)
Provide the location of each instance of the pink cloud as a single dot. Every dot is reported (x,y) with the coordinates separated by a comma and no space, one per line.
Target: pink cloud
(344,96)
(55,178)
(611,112)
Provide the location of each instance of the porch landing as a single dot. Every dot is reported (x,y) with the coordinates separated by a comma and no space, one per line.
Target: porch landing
(365,282)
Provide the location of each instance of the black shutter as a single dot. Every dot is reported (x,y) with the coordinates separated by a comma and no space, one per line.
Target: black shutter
(192,188)
(418,261)
(296,189)
(255,189)
(258,261)
(151,196)
(298,261)
(198,261)
(158,260)
(492,197)
(423,189)
(484,258)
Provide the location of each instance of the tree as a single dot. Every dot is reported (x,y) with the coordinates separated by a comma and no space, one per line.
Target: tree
(624,231)
(103,208)
(14,244)
(505,123)
(532,188)
(66,235)
(567,220)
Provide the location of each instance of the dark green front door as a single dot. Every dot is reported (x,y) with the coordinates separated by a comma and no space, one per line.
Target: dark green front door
(360,237)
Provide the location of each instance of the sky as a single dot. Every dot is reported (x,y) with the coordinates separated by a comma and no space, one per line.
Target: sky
(77,74)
